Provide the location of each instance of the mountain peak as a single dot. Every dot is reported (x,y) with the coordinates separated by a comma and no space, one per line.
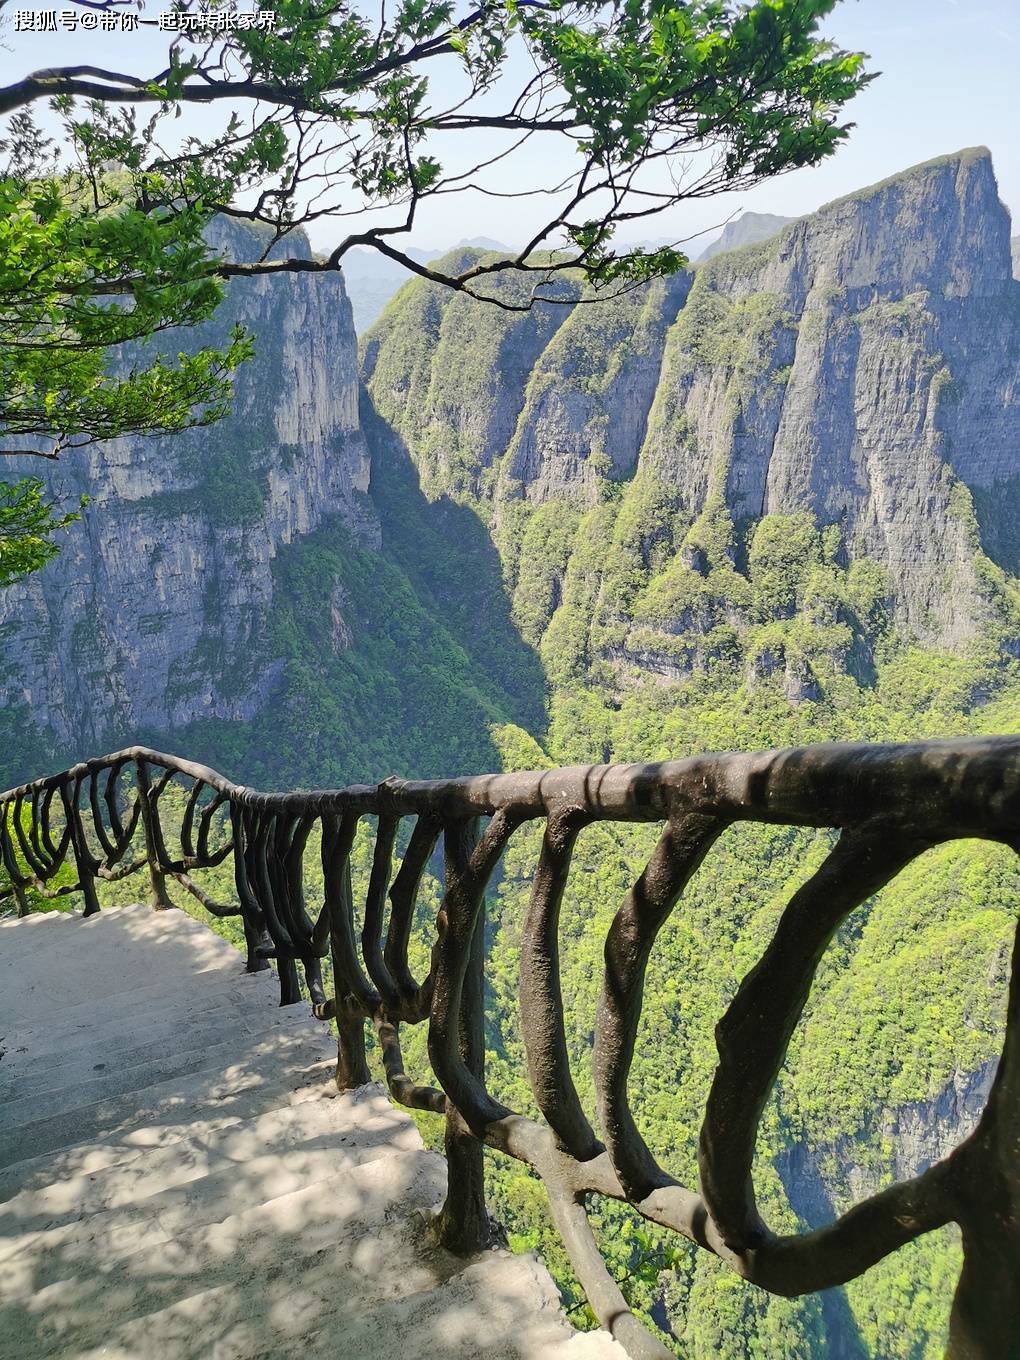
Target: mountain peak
(745,230)
(953,162)
(937,227)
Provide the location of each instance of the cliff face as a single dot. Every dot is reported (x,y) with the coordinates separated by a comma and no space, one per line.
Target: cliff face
(151,616)
(586,402)
(857,367)
(449,376)
(861,366)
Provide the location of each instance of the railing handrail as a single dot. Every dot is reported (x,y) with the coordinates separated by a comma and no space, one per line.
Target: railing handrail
(889,803)
(824,784)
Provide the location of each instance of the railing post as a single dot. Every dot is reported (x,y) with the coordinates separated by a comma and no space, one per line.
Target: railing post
(351,1060)
(79,846)
(160,899)
(10,863)
(255,962)
(290,987)
(19,896)
(463,1225)
(254,937)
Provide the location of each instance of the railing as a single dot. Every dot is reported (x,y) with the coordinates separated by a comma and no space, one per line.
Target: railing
(889,804)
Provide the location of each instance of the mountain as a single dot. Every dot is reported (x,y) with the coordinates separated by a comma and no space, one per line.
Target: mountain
(1015,250)
(770,500)
(746,230)
(859,367)
(164,583)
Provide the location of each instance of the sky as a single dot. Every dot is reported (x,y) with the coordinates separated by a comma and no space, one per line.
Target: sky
(948,80)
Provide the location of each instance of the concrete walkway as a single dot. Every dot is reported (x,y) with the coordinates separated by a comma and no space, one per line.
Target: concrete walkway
(179,1179)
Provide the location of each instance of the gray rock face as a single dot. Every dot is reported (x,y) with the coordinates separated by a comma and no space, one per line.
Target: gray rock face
(587,400)
(916,1135)
(146,617)
(860,365)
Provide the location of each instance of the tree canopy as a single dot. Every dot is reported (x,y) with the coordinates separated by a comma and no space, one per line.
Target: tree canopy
(359,114)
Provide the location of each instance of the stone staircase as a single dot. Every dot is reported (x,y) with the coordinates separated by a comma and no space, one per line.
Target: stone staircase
(180,1179)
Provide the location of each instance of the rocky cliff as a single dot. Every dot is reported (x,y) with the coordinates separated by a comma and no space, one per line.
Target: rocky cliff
(150,618)
(861,367)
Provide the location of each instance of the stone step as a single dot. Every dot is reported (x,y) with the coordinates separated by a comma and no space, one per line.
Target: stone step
(374,1302)
(158,999)
(134,927)
(496,1307)
(364,1118)
(108,1086)
(251,1085)
(291,1236)
(269,1099)
(145,1044)
(14,930)
(116,1242)
(91,983)
(183,1180)
(99,958)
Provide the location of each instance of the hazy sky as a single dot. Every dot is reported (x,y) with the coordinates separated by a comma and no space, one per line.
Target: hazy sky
(949,79)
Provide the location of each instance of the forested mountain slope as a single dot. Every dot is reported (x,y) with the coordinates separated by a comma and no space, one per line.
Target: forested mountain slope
(773,499)
(861,367)
(233,573)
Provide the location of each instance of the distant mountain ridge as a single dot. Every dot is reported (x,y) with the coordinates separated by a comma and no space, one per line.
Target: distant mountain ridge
(745,230)
(372,279)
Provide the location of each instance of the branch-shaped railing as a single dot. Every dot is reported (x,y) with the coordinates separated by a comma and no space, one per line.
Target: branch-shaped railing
(888,804)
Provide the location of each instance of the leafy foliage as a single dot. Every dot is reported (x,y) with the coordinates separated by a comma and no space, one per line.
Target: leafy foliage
(330,110)
(28,522)
(342,94)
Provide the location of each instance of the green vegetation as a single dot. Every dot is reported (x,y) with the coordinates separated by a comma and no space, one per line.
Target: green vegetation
(28,523)
(84,271)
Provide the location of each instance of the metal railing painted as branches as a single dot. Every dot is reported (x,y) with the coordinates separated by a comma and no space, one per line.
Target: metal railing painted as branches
(888,804)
